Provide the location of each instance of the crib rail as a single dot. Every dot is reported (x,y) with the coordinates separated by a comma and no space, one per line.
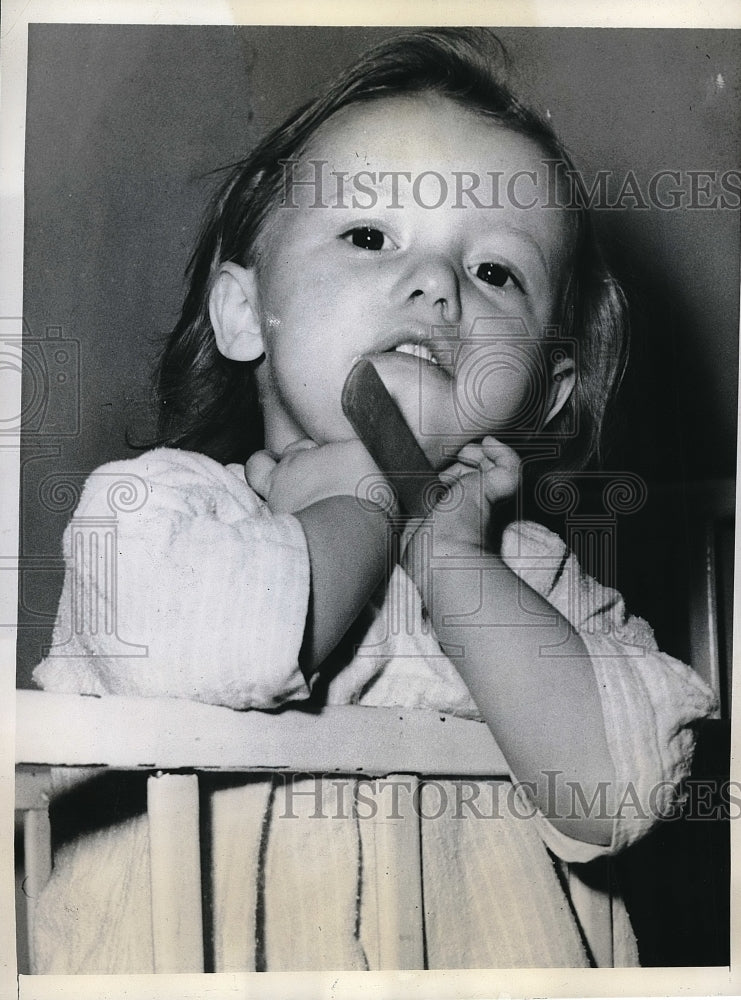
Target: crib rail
(174,740)
(169,733)
(169,736)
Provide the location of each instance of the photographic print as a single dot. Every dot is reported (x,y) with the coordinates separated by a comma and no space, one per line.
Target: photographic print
(376,450)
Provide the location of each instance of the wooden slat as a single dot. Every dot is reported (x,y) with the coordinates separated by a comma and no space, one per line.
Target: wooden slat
(710,504)
(398,866)
(590,890)
(32,787)
(174,838)
(37,862)
(168,733)
(703,611)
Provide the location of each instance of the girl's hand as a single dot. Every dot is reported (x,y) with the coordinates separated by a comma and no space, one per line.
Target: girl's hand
(306,473)
(496,463)
(484,474)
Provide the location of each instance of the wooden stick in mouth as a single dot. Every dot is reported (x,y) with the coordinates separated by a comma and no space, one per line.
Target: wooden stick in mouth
(380,425)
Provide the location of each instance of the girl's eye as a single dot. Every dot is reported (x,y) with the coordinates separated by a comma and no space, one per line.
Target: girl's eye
(367,238)
(496,275)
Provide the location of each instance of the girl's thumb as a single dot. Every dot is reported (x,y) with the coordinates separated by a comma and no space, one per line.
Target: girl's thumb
(303,444)
(258,471)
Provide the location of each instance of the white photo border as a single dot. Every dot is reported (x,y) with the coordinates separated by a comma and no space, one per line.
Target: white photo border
(16,16)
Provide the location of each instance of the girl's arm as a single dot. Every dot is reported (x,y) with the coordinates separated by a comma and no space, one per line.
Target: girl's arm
(347,555)
(543,709)
(346,539)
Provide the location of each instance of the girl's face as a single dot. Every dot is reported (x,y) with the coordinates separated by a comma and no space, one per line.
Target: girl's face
(452,291)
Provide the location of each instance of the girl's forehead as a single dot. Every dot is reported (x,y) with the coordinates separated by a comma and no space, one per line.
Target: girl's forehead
(421,131)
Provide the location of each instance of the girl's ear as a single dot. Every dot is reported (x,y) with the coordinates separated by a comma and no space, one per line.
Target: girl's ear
(234,312)
(563,379)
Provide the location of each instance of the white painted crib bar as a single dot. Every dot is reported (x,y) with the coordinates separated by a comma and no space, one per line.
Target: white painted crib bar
(170,736)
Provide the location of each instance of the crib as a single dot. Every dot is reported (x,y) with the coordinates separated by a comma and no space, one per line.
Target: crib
(175,741)
(185,739)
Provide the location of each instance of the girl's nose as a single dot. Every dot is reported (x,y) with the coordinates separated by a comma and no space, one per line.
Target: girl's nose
(433,289)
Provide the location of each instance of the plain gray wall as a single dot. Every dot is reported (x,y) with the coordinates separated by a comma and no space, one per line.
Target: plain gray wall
(124,123)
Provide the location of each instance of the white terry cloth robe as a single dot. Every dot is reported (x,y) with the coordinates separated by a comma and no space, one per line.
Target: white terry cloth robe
(217,587)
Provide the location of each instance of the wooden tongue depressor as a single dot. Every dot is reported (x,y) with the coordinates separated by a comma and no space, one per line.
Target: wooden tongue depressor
(379,424)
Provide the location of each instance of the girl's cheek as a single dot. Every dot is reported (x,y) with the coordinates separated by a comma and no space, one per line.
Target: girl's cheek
(495,393)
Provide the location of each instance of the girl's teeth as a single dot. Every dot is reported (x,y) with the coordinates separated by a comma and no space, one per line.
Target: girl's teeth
(418,350)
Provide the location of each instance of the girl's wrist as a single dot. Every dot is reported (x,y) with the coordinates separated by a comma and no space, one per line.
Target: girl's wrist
(458,531)
(422,561)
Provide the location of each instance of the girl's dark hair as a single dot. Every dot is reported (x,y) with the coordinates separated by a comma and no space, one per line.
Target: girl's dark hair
(209,403)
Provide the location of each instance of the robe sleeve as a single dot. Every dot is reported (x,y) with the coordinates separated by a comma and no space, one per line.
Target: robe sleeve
(180,583)
(650,701)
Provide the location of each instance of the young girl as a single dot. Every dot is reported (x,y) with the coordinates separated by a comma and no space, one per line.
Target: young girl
(415,216)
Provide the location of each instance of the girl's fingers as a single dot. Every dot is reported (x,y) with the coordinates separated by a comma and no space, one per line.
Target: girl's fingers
(501,468)
(303,444)
(500,482)
(500,453)
(489,448)
(470,454)
(258,471)
(498,463)
(456,470)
